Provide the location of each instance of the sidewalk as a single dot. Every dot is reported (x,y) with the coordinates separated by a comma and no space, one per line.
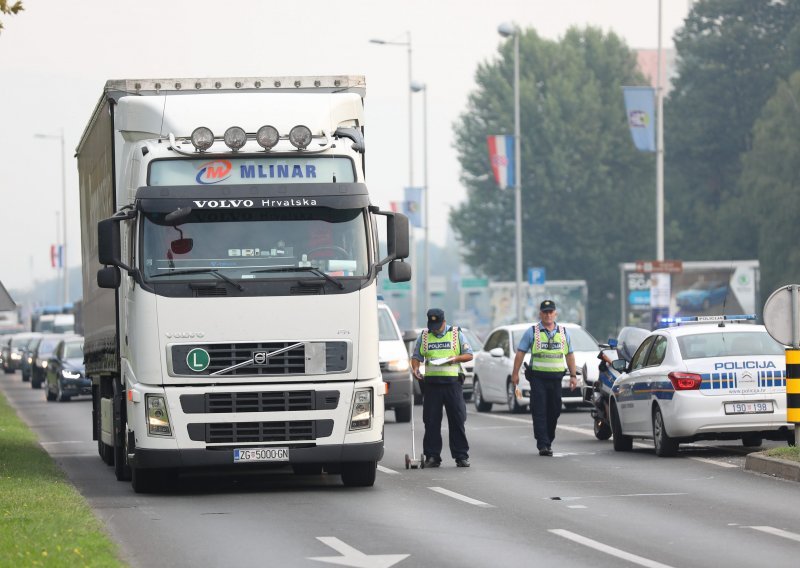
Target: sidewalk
(774,467)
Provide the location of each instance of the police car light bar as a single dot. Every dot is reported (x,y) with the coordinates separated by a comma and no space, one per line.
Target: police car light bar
(704,319)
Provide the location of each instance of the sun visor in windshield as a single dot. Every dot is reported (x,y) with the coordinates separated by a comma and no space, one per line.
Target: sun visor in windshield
(288,196)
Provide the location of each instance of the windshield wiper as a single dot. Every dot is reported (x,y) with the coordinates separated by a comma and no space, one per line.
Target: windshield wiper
(212,271)
(311,269)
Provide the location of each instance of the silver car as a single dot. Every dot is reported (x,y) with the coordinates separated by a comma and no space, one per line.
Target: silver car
(495,361)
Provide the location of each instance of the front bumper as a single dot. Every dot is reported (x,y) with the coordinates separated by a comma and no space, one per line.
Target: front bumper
(220,457)
(76,387)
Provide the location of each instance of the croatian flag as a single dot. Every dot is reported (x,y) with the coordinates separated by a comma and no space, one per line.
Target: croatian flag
(501,156)
(56,256)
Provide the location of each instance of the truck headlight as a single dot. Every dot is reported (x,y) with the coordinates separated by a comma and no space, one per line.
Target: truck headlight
(70,374)
(397,365)
(157,416)
(15,356)
(361,412)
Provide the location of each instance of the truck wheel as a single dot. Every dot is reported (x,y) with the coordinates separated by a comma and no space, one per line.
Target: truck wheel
(402,413)
(622,443)
(359,474)
(122,470)
(665,446)
(477,397)
(602,431)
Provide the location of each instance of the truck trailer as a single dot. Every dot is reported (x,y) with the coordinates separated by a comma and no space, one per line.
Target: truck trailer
(230,258)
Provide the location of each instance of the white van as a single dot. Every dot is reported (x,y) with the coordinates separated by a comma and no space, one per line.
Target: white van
(64,323)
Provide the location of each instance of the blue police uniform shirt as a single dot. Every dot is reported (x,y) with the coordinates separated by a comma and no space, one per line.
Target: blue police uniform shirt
(465,347)
(526,342)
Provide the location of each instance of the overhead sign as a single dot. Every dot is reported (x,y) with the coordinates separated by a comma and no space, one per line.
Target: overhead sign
(663,266)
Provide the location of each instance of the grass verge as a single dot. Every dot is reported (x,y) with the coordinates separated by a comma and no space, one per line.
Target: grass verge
(44,521)
(790,453)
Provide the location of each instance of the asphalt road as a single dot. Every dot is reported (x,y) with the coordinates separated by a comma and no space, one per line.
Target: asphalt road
(586,506)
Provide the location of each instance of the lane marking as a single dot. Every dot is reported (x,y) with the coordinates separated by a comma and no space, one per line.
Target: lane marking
(460,497)
(777,532)
(353,557)
(387,470)
(577,507)
(623,495)
(715,462)
(610,550)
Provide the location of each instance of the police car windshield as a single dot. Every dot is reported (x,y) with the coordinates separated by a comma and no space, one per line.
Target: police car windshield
(722,344)
(241,242)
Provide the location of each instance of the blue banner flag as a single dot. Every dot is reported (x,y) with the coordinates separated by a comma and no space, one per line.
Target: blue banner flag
(640,112)
(412,206)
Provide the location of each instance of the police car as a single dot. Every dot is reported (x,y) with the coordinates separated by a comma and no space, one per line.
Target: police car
(709,378)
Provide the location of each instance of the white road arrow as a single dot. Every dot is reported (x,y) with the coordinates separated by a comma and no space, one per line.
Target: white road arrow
(352,557)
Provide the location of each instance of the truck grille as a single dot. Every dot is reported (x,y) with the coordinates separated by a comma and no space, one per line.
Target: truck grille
(249,432)
(280,401)
(292,362)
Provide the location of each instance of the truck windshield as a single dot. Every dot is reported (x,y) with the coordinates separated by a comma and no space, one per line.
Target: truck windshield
(255,244)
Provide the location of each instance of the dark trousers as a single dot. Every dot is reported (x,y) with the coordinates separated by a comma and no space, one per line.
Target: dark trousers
(451,396)
(545,409)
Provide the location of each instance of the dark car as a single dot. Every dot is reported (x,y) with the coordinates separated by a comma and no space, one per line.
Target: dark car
(27,356)
(41,356)
(65,375)
(15,349)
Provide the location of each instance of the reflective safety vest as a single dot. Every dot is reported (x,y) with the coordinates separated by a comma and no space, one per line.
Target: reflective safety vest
(433,347)
(547,355)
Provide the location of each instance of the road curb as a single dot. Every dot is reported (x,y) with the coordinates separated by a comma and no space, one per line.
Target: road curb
(775,467)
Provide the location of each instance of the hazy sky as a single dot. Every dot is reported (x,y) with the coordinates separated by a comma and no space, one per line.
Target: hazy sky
(56,56)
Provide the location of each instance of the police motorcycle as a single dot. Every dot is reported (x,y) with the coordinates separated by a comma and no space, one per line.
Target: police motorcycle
(599,394)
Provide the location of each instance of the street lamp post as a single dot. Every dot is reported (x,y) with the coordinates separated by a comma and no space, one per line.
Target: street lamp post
(509,30)
(407,44)
(417,87)
(60,136)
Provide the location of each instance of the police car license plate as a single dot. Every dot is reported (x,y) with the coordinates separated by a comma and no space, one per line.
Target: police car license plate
(748,407)
(248,455)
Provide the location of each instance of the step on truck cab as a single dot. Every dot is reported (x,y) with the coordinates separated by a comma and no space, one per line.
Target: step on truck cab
(230,258)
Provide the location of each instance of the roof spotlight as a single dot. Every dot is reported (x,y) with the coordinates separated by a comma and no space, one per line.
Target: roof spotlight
(267,136)
(235,137)
(300,136)
(202,138)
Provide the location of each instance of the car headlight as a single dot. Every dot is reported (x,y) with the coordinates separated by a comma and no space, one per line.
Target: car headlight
(16,356)
(70,374)
(361,412)
(397,365)
(43,364)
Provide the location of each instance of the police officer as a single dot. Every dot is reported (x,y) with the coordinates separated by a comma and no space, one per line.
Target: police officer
(442,348)
(551,354)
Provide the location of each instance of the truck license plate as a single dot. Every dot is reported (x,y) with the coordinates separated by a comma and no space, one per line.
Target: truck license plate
(748,407)
(248,455)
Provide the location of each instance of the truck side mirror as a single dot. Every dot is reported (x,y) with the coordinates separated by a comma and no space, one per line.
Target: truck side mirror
(397,236)
(399,271)
(108,277)
(108,242)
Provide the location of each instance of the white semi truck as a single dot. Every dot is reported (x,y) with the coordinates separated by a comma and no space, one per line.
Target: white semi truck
(230,258)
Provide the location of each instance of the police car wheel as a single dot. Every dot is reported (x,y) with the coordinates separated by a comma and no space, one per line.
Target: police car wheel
(664,445)
(752,440)
(622,443)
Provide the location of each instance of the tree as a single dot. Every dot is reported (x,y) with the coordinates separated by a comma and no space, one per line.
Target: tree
(588,195)
(770,187)
(730,55)
(6,8)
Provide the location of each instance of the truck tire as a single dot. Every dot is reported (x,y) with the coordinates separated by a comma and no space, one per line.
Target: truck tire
(359,474)
(402,413)
(122,470)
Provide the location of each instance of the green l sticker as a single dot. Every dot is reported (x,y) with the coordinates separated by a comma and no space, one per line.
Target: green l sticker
(198,359)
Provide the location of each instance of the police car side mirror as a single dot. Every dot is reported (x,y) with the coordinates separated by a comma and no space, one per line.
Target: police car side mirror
(620,365)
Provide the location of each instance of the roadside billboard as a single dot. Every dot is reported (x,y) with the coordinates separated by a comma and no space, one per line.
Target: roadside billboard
(700,288)
(570,296)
